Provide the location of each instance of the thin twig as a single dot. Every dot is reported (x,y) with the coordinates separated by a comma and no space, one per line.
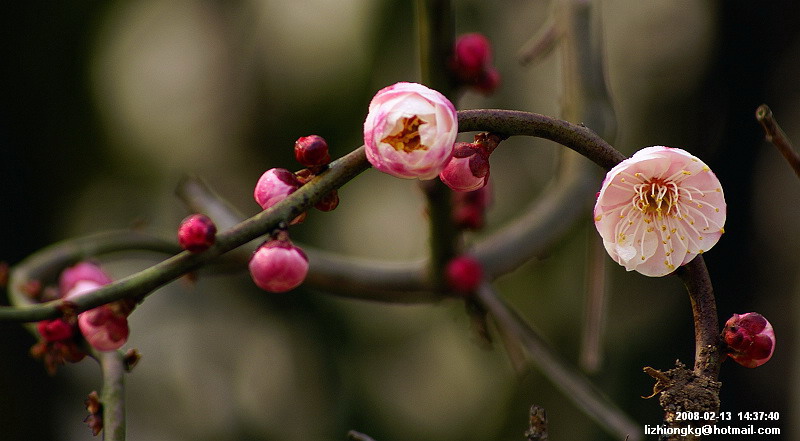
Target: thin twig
(574,386)
(112,396)
(777,137)
(541,44)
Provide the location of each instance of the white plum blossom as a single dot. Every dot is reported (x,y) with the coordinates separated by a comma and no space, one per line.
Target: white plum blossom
(410,130)
(658,209)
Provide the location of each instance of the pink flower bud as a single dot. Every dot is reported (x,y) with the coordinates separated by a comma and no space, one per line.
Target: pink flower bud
(81,272)
(468,169)
(410,130)
(278,266)
(329,202)
(750,338)
(197,233)
(472,54)
(464,274)
(54,330)
(658,209)
(274,186)
(103,328)
(312,151)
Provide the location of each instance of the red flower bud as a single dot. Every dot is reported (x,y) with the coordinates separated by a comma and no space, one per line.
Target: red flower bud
(750,338)
(472,54)
(54,330)
(312,151)
(329,202)
(197,233)
(464,274)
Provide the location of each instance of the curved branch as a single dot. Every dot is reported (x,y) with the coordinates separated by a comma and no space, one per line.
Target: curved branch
(513,122)
(144,282)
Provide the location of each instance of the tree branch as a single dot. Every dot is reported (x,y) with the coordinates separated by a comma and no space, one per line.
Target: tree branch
(777,137)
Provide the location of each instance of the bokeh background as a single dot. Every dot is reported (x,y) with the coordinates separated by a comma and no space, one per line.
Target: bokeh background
(106,105)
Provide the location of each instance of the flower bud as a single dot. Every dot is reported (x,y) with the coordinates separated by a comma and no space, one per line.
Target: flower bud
(329,202)
(750,338)
(488,82)
(54,330)
(103,328)
(278,266)
(82,272)
(274,186)
(464,274)
(312,151)
(197,233)
(472,55)
(410,130)
(468,169)
(469,207)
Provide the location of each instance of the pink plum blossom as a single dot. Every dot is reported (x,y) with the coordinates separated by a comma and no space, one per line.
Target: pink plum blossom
(750,338)
(278,266)
(658,209)
(410,130)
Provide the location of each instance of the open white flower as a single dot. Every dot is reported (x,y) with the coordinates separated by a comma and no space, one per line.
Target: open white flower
(658,209)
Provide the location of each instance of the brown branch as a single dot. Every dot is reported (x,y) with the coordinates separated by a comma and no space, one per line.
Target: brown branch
(777,137)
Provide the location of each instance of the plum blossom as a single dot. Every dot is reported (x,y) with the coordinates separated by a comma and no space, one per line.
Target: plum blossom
(658,209)
(410,130)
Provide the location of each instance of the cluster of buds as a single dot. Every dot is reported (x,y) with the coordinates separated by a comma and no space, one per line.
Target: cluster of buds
(472,63)
(277,183)
(105,328)
(278,265)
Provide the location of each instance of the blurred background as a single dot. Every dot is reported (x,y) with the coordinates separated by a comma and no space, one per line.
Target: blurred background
(106,105)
